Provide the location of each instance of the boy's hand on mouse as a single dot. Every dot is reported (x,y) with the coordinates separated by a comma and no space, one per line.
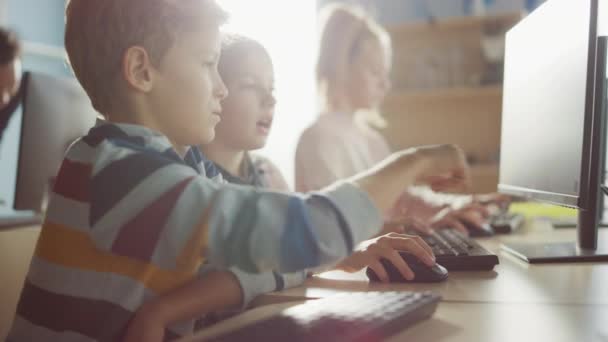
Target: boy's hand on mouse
(446,167)
(146,325)
(370,252)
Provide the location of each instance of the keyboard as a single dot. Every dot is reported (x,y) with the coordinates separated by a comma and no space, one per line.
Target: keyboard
(363,316)
(506,223)
(457,252)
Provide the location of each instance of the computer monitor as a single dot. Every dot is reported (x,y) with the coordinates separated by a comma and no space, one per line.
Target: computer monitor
(55,112)
(553,120)
(11,118)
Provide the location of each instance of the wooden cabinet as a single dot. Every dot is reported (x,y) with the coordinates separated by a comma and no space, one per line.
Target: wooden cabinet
(446,89)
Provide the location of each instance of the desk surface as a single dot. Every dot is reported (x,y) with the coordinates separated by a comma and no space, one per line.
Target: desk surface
(515,302)
(469,322)
(512,281)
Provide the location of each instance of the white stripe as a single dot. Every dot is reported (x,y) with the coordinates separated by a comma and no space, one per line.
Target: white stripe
(68,212)
(293,279)
(107,153)
(110,287)
(119,290)
(23,330)
(264,233)
(104,232)
(182,222)
(81,152)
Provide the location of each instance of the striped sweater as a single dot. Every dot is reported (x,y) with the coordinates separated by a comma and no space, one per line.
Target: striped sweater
(259,172)
(129,219)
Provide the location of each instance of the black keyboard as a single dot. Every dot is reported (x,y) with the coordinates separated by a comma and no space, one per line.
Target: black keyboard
(506,223)
(457,252)
(363,316)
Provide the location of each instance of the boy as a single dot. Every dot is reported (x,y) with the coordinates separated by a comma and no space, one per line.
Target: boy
(133,214)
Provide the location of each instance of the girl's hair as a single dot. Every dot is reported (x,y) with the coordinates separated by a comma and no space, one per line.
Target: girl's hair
(344,29)
(234,47)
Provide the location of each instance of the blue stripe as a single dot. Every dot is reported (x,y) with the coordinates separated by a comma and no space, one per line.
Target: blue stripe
(344,228)
(299,249)
(237,243)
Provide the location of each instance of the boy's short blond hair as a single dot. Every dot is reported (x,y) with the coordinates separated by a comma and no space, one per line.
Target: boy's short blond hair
(99,32)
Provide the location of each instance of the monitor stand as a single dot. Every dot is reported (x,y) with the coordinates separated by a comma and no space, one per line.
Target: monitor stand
(536,253)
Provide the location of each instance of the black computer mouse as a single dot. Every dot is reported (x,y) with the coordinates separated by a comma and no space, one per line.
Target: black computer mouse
(422,272)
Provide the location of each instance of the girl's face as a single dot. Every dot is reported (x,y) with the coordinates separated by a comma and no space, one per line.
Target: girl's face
(368,78)
(248,111)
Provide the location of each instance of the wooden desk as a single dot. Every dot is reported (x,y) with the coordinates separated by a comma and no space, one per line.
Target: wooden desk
(516,302)
(470,322)
(16,250)
(512,281)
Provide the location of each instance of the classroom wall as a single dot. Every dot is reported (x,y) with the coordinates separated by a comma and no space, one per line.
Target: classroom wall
(40,25)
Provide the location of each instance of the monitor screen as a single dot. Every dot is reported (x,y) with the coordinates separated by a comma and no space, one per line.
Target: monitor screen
(545,102)
(56,111)
(10,139)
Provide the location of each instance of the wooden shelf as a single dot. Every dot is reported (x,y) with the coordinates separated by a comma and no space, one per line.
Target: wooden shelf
(443,93)
(455,23)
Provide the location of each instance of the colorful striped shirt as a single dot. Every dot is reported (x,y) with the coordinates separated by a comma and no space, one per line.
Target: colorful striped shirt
(259,172)
(129,219)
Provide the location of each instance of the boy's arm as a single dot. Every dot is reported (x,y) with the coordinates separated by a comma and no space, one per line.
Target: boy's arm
(216,290)
(174,216)
(213,291)
(288,233)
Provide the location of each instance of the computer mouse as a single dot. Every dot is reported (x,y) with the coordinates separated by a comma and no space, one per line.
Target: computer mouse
(422,272)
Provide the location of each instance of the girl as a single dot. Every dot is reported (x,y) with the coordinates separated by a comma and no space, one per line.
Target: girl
(353,68)
(247,114)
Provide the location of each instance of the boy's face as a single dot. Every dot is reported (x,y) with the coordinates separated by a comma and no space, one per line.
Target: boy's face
(248,111)
(187,91)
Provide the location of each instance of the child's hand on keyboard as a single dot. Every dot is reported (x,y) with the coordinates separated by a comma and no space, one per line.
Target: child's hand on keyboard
(370,252)
(495,202)
(447,168)
(472,215)
(400,227)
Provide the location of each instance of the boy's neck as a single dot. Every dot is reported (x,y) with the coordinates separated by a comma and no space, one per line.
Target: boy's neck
(228,158)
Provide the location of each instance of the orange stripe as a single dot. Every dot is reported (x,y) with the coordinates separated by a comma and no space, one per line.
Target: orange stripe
(197,243)
(75,249)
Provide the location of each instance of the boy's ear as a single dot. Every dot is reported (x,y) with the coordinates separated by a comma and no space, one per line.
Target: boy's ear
(137,69)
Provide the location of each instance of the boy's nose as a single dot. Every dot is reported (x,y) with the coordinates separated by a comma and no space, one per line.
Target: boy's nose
(221,92)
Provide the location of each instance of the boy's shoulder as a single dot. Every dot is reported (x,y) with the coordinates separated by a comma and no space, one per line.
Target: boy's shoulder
(121,140)
(118,152)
